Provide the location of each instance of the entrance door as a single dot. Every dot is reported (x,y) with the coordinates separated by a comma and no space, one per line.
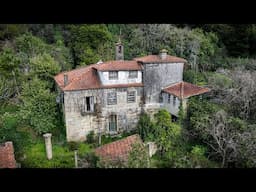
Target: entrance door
(112,123)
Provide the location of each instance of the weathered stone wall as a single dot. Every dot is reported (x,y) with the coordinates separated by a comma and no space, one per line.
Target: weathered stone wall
(78,125)
(123,78)
(172,107)
(157,76)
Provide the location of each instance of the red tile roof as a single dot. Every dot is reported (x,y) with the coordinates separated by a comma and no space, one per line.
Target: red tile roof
(7,159)
(157,59)
(87,78)
(118,65)
(118,150)
(185,90)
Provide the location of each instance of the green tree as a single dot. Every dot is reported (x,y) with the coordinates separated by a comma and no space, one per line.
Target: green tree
(38,106)
(9,74)
(145,127)
(167,134)
(85,40)
(44,67)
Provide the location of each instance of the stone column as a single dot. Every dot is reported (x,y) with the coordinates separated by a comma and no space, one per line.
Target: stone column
(76,163)
(48,145)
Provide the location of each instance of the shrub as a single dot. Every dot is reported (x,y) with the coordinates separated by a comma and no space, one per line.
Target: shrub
(73,145)
(90,138)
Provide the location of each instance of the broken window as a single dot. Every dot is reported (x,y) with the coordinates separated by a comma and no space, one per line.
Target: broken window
(88,104)
(112,123)
(112,75)
(111,100)
(133,74)
(131,96)
(169,98)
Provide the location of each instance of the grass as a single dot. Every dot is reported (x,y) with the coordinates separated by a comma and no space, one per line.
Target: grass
(63,157)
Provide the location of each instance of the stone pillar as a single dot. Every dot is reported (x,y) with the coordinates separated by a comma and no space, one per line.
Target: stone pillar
(48,145)
(76,163)
(152,148)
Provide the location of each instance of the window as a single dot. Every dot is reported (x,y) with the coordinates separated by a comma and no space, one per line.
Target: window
(88,104)
(131,96)
(119,49)
(111,100)
(133,74)
(160,98)
(169,98)
(174,100)
(112,123)
(112,75)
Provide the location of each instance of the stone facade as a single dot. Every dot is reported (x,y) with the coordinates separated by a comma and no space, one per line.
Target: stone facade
(108,97)
(156,76)
(78,125)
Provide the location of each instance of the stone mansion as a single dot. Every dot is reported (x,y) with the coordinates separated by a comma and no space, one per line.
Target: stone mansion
(108,97)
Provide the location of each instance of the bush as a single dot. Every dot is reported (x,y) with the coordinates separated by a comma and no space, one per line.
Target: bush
(73,145)
(90,138)
(88,160)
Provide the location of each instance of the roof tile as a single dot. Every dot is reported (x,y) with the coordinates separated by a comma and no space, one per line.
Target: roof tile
(188,89)
(118,150)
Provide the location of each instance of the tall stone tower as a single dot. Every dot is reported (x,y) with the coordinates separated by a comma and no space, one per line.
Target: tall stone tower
(119,50)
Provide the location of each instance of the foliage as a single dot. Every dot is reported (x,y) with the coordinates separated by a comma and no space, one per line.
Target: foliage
(35,157)
(30,46)
(194,77)
(44,67)
(145,127)
(88,160)
(9,74)
(85,39)
(38,106)
(138,156)
(72,145)
(12,130)
(9,31)
(90,138)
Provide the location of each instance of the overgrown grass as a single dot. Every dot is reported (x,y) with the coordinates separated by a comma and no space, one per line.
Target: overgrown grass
(63,157)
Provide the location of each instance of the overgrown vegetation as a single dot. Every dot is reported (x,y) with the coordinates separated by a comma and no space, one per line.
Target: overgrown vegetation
(218,130)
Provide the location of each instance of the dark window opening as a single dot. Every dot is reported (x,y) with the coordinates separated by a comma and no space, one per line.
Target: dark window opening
(112,123)
(174,100)
(169,98)
(88,104)
(119,49)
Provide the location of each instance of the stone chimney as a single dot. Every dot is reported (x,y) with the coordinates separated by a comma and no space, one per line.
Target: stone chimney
(48,145)
(163,54)
(65,79)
